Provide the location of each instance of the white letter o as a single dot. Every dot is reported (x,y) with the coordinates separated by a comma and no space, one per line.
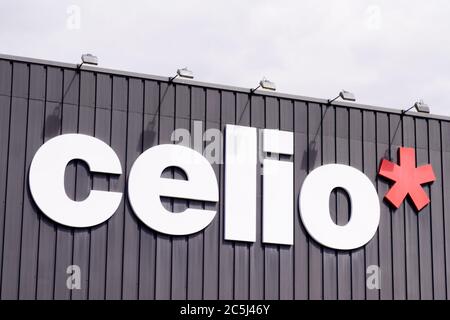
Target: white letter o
(315,211)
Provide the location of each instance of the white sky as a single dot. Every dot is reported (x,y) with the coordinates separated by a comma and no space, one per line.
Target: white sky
(389,53)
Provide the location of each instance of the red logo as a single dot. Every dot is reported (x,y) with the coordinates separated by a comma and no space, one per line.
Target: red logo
(408,179)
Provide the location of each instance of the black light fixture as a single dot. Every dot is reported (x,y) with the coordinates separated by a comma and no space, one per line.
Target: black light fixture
(344,95)
(183,73)
(265,84)
(420,106)
(88,58)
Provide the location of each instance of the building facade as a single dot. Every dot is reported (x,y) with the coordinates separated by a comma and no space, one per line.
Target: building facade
(124,259)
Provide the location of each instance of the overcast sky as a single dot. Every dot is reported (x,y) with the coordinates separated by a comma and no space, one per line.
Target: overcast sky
(389,53)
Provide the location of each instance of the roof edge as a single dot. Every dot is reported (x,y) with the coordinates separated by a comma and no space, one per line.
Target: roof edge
(219,86)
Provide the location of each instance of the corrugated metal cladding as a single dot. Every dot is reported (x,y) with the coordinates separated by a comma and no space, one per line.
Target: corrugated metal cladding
(122,258)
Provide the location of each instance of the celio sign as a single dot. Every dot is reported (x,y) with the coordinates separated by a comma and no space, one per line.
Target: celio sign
(146,186)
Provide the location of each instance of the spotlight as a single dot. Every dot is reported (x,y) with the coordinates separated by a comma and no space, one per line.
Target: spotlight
(420,106)
(183,73)
(265,84)
(88,58)
(344,95)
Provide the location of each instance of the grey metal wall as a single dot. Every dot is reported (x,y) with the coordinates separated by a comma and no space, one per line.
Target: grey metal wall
(122,258)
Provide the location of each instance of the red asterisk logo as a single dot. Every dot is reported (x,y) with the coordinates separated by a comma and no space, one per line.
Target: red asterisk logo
(408,179)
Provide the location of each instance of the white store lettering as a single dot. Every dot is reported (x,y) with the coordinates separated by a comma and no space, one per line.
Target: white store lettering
(146,186)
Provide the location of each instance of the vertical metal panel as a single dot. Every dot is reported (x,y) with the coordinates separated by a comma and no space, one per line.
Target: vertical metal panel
(370,165)
(115,223)
(271,251)
(342,208)
(226,250)
(5,77)
(286,271)
(397,217)
(241,249)
(151,97)
(87,89)
(411,227)
(445,137)
(179,244)
(149,138)
(123,259)
(20,80)
(131,224)
(256,248)
(437,212)
(103,97)
(329,156)
(163,271)
(384,229)
(13,204)
(314,161)
(301,151)
(425,247)
(15,181)
(30,220)
(5,107)
(99,234)
(120,93)
(47,229)
(54,85)
(82,237)
(64,235)
(166,103)
(38,83)
(211,233)
(195,242)
(356,160)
